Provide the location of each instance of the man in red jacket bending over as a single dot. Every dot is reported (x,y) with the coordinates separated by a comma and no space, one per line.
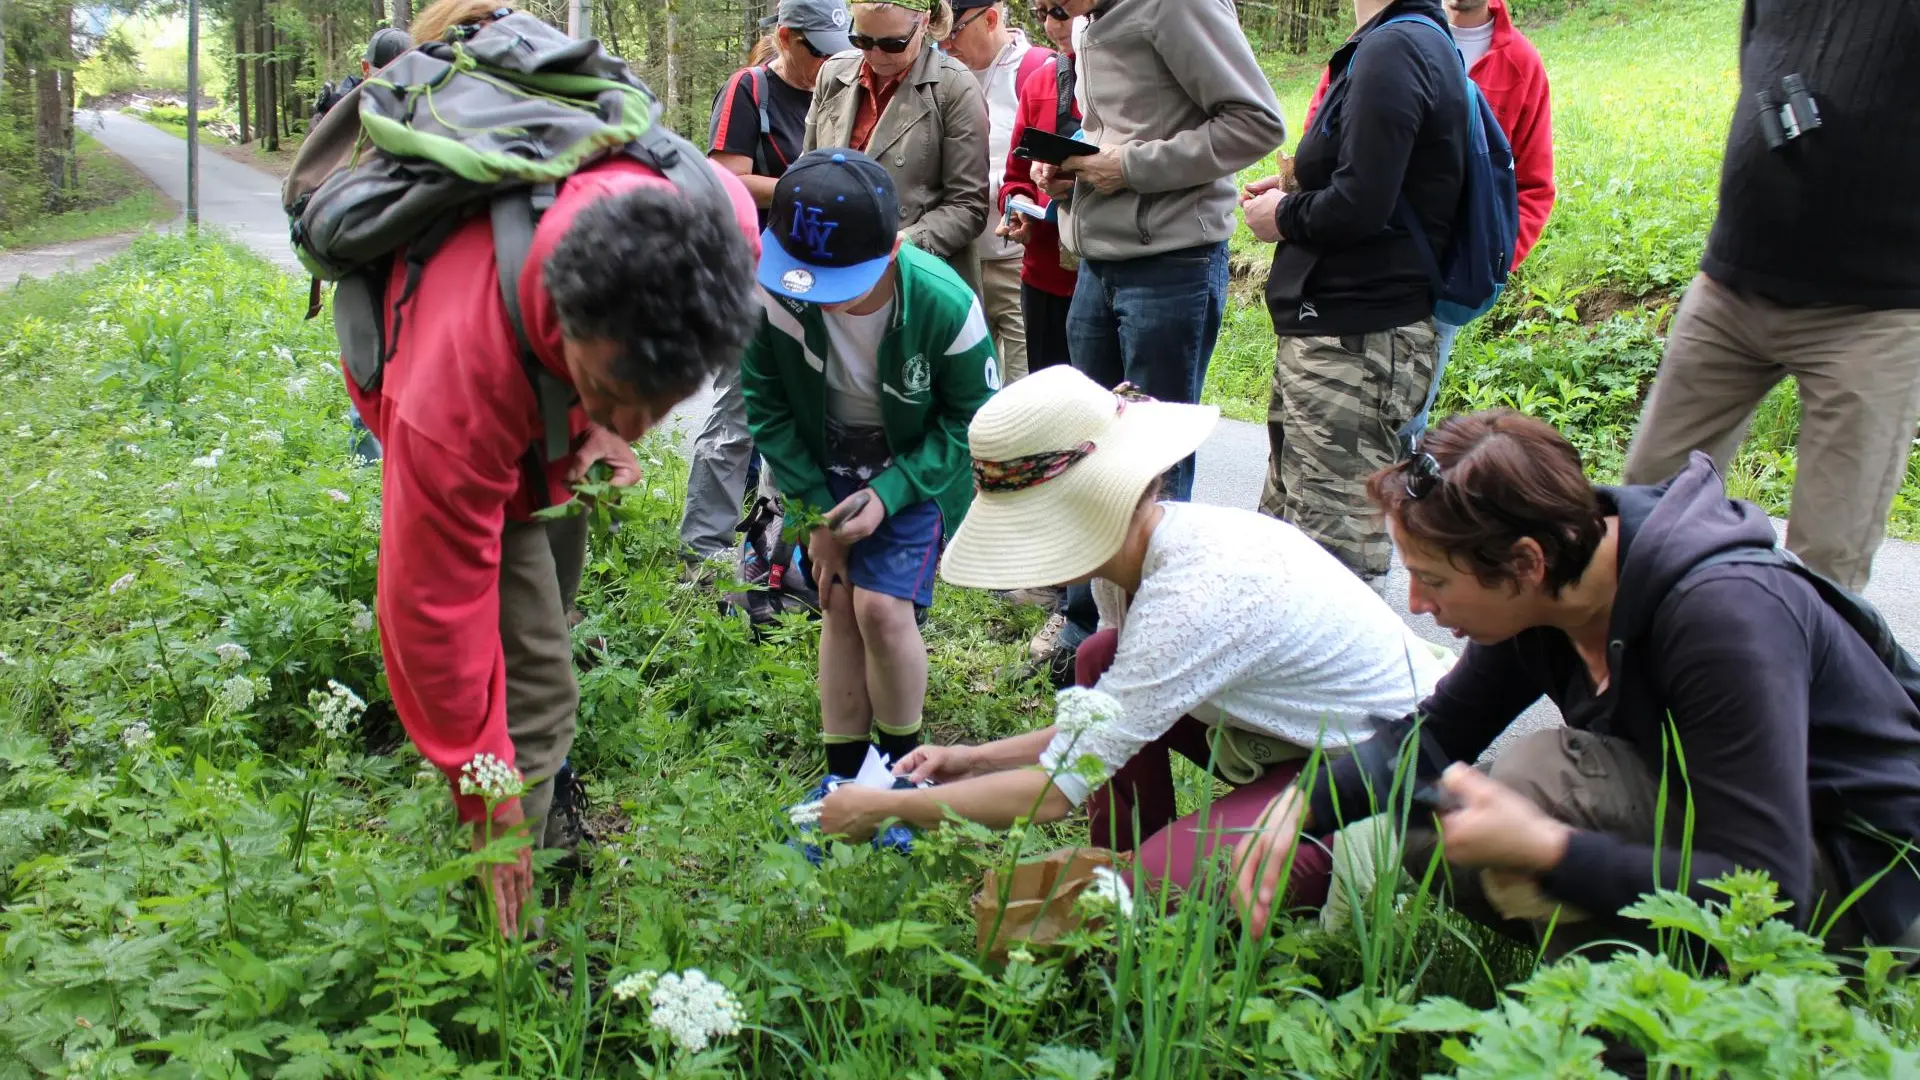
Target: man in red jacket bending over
(632,296)
(1508,69)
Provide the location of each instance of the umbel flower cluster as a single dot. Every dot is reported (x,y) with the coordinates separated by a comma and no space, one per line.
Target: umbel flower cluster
(491,779)
(692,1009)
(336,710)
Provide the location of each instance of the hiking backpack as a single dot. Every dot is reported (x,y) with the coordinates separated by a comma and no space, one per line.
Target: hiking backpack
(757,93)
(1468,276)
(489,121)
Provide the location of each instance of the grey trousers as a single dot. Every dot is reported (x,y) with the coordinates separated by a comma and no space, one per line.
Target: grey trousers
(540,567)
(1858,372)
(717,472)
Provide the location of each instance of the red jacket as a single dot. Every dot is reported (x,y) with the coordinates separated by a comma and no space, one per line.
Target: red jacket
(454,414)
(1515,84)
(1039,107)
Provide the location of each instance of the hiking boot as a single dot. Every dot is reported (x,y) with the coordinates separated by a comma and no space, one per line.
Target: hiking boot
(566,825)
(1045,597)
(1047,641)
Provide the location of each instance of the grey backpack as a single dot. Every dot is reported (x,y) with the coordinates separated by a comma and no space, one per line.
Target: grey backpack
(488,121)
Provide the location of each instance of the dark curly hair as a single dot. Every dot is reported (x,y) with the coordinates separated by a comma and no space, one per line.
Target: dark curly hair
(1502,476)
(669,282)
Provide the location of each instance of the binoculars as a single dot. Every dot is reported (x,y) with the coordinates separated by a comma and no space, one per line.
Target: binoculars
(1787,114)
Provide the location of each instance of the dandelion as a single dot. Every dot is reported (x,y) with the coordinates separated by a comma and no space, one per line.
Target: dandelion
(231,653)
(639,984)
(122,582)
(236,694)
(694,1010)
(338,496)
(210,461)
(136,736)
(491,779)
(335,710)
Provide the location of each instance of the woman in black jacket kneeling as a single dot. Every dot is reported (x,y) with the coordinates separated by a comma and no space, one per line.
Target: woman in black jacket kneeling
(1657,619)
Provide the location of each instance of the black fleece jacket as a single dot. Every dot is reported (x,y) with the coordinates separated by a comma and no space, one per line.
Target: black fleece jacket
(1792,730)
(1831,217)
(1393,122)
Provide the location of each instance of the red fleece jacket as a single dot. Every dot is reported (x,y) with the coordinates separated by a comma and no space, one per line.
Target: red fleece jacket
(1039,107)
(1515,84)
(454,414)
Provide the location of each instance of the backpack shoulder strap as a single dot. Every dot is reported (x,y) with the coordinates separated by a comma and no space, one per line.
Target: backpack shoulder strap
(1855,610)
(682,164)
(514,215)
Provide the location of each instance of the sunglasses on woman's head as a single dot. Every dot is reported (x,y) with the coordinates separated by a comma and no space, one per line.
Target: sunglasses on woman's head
(893,45)
(1423,475)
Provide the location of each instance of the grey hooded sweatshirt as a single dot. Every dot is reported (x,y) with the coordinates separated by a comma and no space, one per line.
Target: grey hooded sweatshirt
(1175,84)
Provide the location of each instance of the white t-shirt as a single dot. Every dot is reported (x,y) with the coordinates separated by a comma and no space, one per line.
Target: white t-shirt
(1474,41)
(853,369)
(1242,619)
(1000,83)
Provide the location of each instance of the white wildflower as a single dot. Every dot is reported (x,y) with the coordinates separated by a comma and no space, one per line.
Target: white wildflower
(136,736)
(361,621)
(335,710)
(1080,710)
(638,984)
(297,385)
(169,486)
(231,653)
(491,779)
(338,496)
(283,354)
(7,661)
(1020,956)
(269,437)
(806,814)
(98,475)
(24,431)
(694,1010)
(236,694)
(210,461)
(134,449)
(123,581)
(1108,889)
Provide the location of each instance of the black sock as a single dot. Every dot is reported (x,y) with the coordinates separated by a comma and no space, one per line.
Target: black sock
(895,746)
(845,758)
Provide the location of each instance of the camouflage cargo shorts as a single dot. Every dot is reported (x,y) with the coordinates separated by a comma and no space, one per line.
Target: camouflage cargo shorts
(1338,406)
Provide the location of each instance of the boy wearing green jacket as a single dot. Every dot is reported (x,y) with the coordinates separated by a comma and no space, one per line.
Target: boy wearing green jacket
(869,362)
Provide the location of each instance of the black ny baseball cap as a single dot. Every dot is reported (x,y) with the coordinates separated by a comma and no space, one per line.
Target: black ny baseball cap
(831,229)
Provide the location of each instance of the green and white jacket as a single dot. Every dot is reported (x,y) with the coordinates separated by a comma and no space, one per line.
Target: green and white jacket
(936,368)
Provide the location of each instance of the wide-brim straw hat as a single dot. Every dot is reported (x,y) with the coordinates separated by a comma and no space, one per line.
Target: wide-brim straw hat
(1060,463)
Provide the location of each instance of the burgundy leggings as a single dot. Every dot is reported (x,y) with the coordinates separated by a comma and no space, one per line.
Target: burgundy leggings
(1143,791)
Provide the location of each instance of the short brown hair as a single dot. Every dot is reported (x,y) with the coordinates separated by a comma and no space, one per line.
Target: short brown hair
(1502,477)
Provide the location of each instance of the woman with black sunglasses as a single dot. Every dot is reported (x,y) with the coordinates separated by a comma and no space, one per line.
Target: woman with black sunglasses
(918,112)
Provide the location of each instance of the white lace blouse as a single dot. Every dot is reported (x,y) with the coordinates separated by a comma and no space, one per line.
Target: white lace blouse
(1240,619)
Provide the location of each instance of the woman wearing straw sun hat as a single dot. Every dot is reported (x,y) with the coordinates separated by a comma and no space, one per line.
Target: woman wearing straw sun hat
(1228,637)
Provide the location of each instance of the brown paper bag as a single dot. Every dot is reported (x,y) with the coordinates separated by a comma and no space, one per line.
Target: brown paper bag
(1040,899)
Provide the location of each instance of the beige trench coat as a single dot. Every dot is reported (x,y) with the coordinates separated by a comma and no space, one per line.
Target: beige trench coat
(932,139)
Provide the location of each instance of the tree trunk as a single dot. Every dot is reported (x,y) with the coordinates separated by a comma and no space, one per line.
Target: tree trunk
(673,60)
(48,131)
(265,127)
(240,76)
(71,149)
(402,14)
(272,90)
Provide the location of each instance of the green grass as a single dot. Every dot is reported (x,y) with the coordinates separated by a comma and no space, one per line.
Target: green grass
(196,879)
(114,197)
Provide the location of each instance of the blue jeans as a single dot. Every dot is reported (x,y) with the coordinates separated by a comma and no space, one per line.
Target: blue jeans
(1151,321)
(364,444)
(1417,426)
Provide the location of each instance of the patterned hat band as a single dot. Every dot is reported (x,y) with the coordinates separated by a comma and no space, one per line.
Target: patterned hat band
(1031,470)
